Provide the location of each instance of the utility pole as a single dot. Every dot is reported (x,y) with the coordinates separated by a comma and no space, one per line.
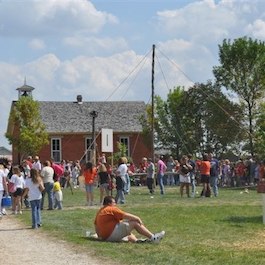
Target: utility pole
(94,115)
(153,107)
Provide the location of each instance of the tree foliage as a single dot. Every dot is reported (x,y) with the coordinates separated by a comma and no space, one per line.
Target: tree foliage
(32,136)
(242,70)
(197,120)
(260,132)
(219,121)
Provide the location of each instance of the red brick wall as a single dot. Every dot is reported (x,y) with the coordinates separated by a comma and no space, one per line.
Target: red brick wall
(73,147)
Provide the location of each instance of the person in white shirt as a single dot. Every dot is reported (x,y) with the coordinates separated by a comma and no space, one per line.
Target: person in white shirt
(121,180)
(18,180)
(37,164)
(33,188)
(47,174)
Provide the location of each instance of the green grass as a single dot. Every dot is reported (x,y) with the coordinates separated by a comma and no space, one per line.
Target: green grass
(223,230)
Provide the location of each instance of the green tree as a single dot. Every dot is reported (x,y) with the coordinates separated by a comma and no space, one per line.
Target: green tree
(173,125)
(260,132)
(196,120)
(121,152)
(218,120)
(25,115)
(242,70)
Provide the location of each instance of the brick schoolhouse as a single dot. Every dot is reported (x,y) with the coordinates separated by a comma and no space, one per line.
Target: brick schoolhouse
(71,128)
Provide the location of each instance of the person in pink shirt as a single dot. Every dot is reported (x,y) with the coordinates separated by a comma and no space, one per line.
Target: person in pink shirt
(58,169)
(161,169)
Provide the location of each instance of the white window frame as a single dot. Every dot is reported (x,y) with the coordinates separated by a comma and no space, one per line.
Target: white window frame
(56,151)
(126,138)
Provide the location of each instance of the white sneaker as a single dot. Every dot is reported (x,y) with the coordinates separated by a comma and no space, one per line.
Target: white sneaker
(3,211)
(157,237)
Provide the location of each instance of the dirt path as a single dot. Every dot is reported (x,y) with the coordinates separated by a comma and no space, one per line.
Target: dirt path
(25,246)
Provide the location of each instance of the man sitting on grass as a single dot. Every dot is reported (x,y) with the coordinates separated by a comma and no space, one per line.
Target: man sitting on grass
(114,225)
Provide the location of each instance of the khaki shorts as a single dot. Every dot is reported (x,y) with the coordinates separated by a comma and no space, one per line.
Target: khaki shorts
(120,231)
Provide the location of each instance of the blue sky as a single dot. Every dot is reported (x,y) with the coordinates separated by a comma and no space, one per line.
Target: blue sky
(70,47)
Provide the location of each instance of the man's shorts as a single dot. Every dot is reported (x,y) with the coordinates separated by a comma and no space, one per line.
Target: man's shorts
(120,231)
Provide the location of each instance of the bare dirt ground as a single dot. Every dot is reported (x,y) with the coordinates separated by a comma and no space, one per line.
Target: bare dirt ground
(22,245)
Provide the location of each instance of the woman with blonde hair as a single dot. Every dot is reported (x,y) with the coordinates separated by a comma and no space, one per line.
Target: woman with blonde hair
(103,180)
(121,179)
(34,187)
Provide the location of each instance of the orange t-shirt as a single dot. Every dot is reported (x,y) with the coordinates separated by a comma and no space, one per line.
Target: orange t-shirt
(205,167)
(106,220)
(90,175)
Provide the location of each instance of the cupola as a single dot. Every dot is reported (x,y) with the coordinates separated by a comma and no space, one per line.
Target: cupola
(25,90)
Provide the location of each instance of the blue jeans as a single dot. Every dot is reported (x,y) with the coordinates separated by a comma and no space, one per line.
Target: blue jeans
(193,183)
(49,189)
(214,184)
(127,185)
(120,198)
(160,178)
(35,213)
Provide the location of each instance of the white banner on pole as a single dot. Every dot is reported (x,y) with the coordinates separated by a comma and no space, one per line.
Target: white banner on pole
(107,140)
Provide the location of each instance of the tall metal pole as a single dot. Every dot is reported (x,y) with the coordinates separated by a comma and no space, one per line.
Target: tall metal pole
(153,107)
(93,114)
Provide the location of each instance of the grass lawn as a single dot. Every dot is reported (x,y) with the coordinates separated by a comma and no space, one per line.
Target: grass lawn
(223,230)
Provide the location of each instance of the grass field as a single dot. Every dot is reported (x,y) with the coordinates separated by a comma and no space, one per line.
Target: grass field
(223,230)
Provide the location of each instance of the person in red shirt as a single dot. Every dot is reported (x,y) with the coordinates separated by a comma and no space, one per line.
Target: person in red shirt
(205,167)
(90,173)
(29,161)
(111,226)
(262,171)
(240,170)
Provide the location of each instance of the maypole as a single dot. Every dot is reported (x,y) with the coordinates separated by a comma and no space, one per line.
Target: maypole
(153,107)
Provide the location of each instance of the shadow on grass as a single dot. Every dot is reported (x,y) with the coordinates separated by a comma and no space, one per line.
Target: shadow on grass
(243,219)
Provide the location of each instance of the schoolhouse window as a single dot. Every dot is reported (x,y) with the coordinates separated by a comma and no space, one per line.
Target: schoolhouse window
(125,141)
(56,149)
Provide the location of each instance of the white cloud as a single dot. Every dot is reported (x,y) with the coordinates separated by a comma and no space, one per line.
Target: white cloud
(93,45)
(51,17)
(206,21)
(37,44)
(44,68)
(257,29)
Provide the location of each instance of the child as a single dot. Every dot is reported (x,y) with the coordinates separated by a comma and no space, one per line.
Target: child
(18,180)
(34,187)
(58,195)
(90,174)
(75,173)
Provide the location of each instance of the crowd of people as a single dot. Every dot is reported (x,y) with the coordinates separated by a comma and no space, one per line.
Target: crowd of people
(187,173)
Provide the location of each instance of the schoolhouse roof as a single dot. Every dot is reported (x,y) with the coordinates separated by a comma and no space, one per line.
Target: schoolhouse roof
(75,117)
